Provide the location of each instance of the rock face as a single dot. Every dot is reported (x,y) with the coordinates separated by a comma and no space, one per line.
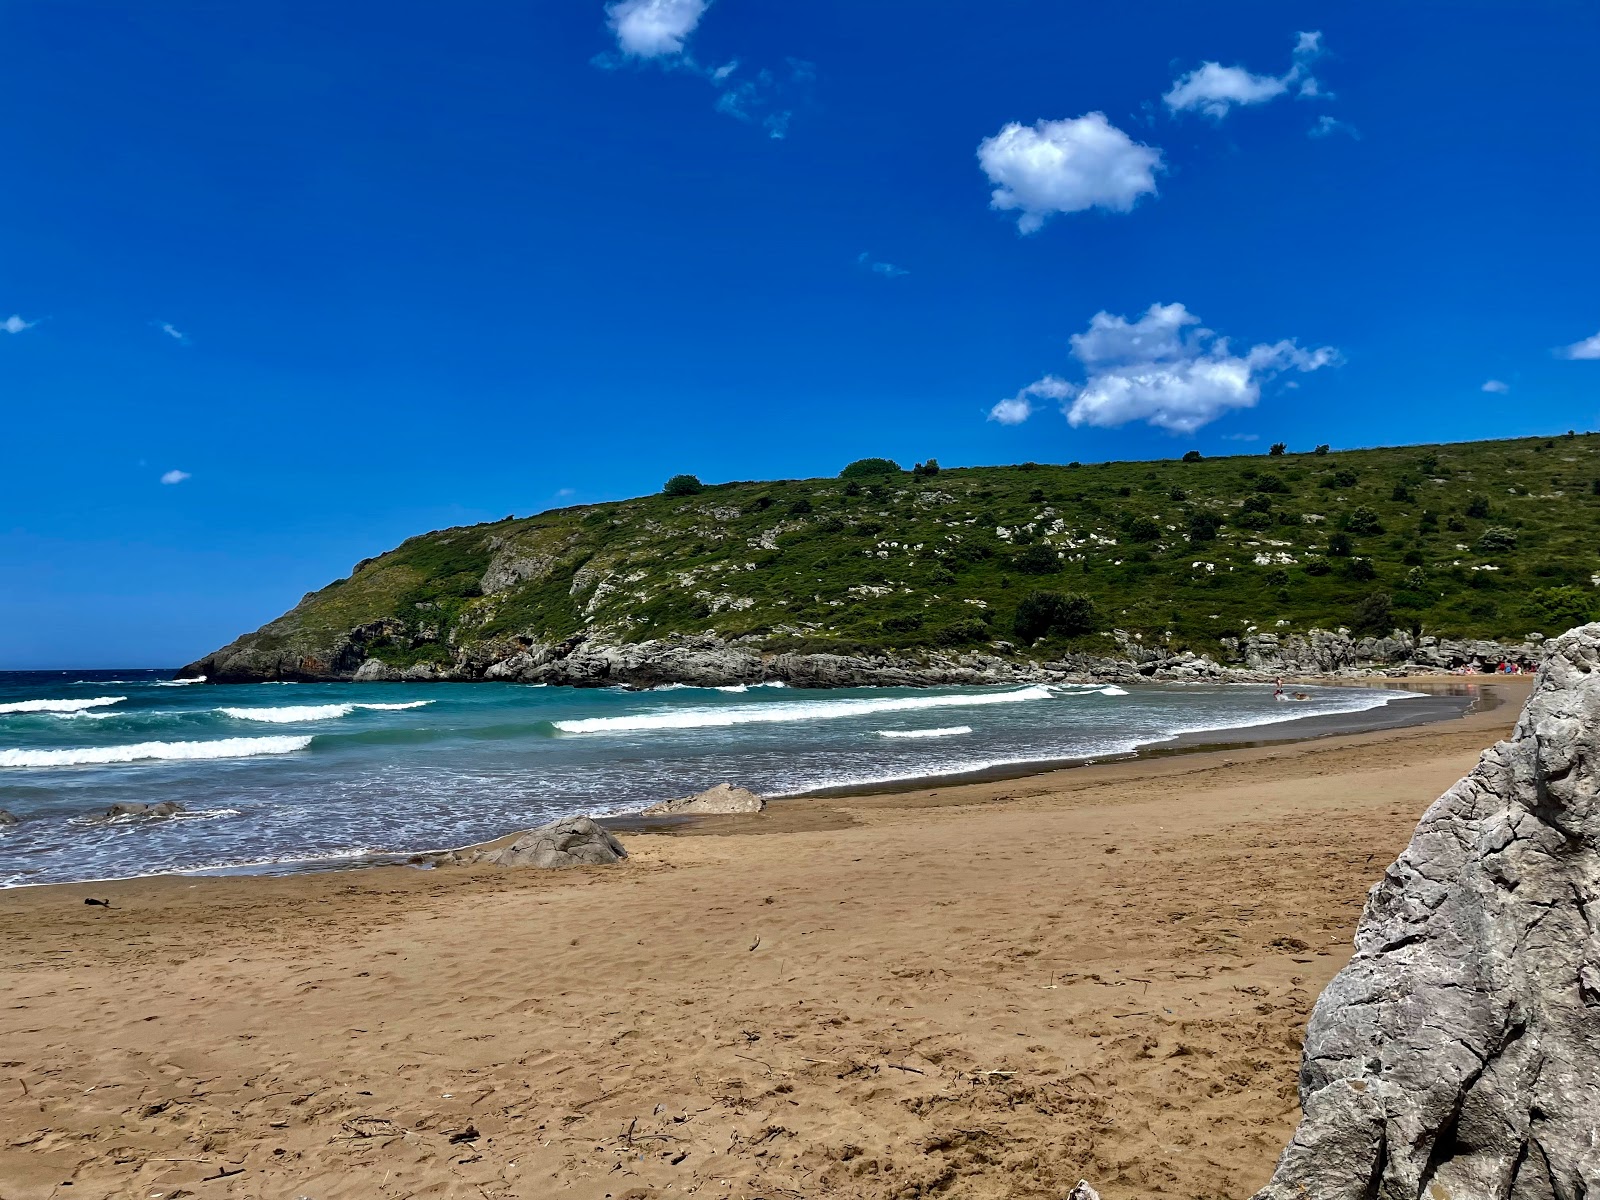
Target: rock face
(1458,1054)
(569,842)
(7,819)
(722,799)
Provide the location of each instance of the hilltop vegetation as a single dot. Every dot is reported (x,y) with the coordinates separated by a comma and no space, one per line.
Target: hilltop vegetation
(1485,539)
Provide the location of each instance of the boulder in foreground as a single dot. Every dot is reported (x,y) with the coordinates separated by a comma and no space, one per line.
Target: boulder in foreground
(1458,1054)
(719,800)
(569,842)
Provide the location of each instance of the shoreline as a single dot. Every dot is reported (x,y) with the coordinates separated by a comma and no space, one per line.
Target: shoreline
(991,989)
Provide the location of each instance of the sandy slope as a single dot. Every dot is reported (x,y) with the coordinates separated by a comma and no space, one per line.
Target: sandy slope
(982,991)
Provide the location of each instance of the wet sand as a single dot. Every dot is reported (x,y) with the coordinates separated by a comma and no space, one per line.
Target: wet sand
(980,990)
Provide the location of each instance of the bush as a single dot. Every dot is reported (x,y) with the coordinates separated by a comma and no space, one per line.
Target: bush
(931,467)
(1144,529)
(1339,545)
(1191,456)
(1361,569)
(1374,614)
(1322,449)
(1039,559)
(1362,520)
(1272,484)
(1401,494)
(1203,526)
(1497,539)
(800,507)
(1177,494)
(1256,502)
(1317,566)
(905,623)
(1413,558)
(1278,448)
(683,485)
(1478,508)
(852,488)
(1564,607)
(868,529)
(870,468)
(962,632)
(1042,613)
(1416,579)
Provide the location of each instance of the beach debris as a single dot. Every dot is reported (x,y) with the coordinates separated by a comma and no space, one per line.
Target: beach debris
(720,800)
(101,903)
(1456,1054)
(469,1134)
(1082,1191)
(569,842)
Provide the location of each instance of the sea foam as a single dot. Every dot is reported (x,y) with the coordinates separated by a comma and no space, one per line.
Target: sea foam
(180,682)
(946,731)
(152,751)
(761,714)
(295,713)
(59,706)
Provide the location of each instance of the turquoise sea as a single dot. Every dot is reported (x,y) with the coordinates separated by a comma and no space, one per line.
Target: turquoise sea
(276,777)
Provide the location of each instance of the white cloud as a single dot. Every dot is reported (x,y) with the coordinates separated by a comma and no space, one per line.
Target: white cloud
(175,477)
(1241,437)
(1066,166)
(1499,387)
(173,332)
(15,324)
(1327,126)
(887,269)
(1164,369)
(1020,407)
(652,28)
(1214,89)
(1589,348)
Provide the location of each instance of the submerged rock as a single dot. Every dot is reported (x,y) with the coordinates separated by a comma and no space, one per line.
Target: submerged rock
(1458,1054)
(722,799)
(166,808)
(8,819)
(569,842)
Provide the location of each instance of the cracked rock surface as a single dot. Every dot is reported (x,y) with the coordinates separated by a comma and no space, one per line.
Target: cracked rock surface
(1457,1056)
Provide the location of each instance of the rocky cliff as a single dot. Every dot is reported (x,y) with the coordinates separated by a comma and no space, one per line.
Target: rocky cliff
(1457,1056)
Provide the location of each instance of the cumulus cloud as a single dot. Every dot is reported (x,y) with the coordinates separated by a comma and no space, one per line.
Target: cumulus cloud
(1164,369)
(653,28)
(1214,89)
(1066,166)
(1589,348)
(1018,408)
(15,324)
(1497,386)
(176,477)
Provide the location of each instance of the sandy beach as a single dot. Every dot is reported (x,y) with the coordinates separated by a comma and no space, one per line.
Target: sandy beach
(983,990)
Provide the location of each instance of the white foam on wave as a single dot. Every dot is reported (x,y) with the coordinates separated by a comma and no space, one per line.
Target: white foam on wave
(1112,689)
(947,731)
(180,682)
(59,706)
(153,751)
(295,713)
(761,714)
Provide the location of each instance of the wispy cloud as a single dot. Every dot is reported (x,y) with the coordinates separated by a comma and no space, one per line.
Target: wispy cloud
(173,332)
(15,324)
(887,269)
(1241,437)
(1017,409)
(1326,126)
(176,476)
(1588,348)
(1215,90)
(658,31)
(1067,166)
(1164,369)
(1497,386)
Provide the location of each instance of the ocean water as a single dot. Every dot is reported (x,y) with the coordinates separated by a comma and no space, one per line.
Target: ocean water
(290,776)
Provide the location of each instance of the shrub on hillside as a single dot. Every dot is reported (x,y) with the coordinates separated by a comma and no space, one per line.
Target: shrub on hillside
(962,632)
(1278,448)
(1478,508)
(683,485)
(1362,520)
(1038,559)
(1339,545)
(1361,569)
(1563,607)
(1203,526)
(1144,529)
(1191,456)
(931,467)
(903,623)
(1273,484)
(1374,614)
(800,507)
(1042,613)
(1316,565)
(1322,449)
(870,468)
(1497,539)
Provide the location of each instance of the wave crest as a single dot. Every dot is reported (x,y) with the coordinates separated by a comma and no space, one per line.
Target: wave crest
(153,751)
(761,714)
(59,706)
(946,731)
(295,713)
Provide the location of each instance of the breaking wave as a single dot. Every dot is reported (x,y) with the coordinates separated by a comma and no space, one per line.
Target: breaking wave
(153,751)
(180,682)
(59,706)
(760,714)
(947,731)
(296,713)
(1112,689)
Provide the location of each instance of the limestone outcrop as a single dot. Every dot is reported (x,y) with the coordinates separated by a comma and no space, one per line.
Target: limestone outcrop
(714,801)
(569,842)
(1457,1056)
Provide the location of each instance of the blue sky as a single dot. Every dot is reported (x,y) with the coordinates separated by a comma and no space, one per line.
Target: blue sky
(343,273)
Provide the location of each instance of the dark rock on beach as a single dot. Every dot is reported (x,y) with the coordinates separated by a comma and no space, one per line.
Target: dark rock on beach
(569,842)
(1458,1054)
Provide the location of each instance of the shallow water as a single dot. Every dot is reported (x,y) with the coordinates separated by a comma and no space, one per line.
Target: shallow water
(281,776)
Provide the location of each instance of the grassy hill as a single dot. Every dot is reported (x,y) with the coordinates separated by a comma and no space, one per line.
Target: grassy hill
(1492,539)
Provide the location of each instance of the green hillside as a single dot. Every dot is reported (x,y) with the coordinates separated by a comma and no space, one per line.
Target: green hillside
(1492,539)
